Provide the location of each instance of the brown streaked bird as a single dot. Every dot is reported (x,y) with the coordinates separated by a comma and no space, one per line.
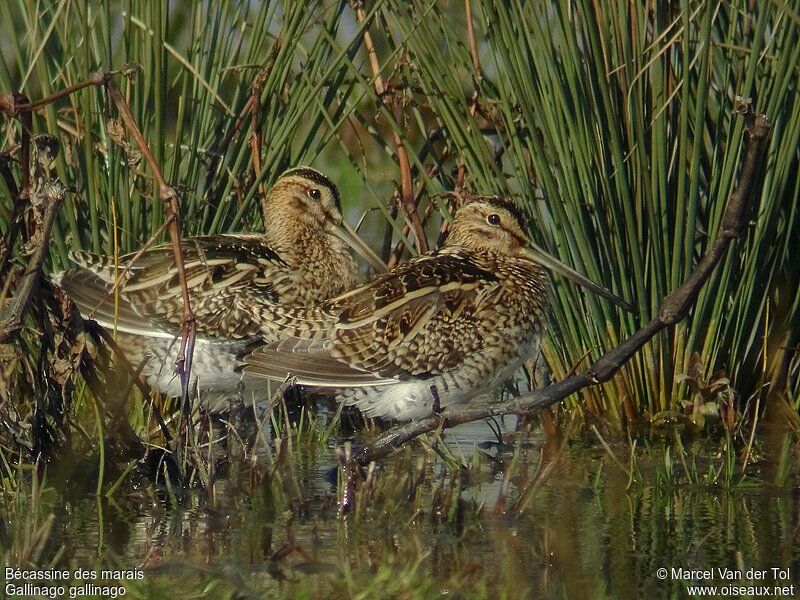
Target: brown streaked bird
(302,258)
(445,327)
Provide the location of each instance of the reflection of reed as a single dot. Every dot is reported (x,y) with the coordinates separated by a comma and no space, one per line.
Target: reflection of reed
(538,517)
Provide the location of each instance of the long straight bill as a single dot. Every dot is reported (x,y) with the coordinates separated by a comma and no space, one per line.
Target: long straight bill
(351,238)
(540,256)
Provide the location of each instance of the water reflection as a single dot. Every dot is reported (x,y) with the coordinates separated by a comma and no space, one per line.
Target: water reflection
(536,518)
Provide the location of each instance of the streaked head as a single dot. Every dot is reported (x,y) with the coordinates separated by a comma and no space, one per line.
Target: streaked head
(490,223)
(304,197)
(499,225)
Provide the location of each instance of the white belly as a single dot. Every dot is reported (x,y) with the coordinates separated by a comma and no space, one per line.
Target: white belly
(213,369)
(415,399)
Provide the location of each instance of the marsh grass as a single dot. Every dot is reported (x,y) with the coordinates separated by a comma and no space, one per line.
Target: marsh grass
(618,138)
(611,123)
(26,502)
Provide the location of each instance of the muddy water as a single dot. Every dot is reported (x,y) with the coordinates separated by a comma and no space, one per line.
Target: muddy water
(526,518)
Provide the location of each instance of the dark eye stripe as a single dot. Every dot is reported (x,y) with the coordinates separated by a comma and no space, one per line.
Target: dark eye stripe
(318,178)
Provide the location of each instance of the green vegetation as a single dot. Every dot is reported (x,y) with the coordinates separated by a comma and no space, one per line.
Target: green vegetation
(613,124)
(611,121)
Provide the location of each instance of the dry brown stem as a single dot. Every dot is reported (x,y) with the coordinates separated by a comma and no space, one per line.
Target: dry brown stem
(13,316)
(403,163)
(169,197)
(17,106)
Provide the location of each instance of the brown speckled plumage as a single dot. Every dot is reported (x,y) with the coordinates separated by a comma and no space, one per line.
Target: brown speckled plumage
(297,261)
(459,320)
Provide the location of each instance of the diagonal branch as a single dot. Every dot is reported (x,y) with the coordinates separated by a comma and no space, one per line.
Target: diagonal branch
(13,316)
(673,309)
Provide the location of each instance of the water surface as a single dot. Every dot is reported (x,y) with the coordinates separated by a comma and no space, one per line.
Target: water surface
(528,517)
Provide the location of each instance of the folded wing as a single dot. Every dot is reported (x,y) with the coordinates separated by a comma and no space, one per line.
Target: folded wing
(417,321)
(223,273)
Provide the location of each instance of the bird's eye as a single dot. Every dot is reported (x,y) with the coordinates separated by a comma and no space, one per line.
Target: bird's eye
(314,194)
(493,219)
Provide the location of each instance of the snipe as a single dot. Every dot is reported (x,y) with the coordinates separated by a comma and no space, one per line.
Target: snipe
(301,258)
(445,327)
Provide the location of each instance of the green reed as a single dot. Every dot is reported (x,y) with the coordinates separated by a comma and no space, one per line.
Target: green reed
(611,121)
(615,125)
